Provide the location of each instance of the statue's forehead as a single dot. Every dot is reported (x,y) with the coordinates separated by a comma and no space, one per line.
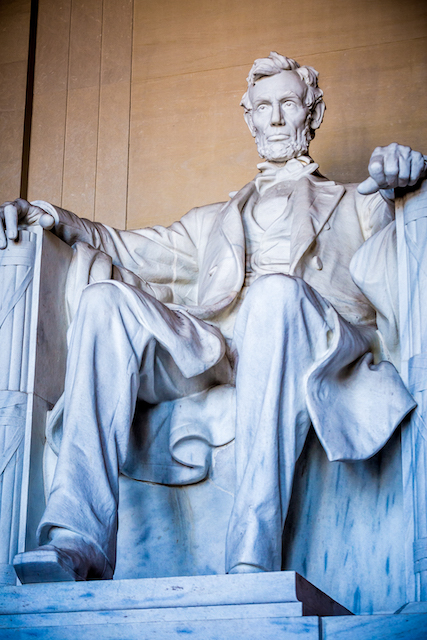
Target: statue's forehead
(280,83)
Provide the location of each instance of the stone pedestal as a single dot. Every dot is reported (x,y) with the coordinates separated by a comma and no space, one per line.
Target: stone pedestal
(271,606)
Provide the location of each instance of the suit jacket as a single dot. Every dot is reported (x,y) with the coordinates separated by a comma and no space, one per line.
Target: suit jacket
(198,264)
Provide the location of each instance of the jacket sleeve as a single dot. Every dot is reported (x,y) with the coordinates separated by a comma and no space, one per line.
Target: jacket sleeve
(374,268)
(159,255)
(375,212)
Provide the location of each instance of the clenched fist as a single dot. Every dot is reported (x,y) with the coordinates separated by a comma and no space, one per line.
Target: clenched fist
(393,166)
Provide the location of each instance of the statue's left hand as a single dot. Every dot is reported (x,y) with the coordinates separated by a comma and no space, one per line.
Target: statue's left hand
(393,166)
(20,211)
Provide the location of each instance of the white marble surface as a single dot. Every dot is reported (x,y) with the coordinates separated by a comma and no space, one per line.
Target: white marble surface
(166,614)
(116,627)
(411,232)
(393,627)
(345,528)
(344,531)
(173,531)
(32,333)
(250,629)
(161,593)
(173,608)
(268,605)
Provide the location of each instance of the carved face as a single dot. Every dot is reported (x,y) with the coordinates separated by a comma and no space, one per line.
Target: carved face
(279,119)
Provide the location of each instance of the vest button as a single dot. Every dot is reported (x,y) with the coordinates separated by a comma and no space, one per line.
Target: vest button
(317,263)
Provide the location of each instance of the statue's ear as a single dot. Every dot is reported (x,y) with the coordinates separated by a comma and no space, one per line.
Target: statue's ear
(317,115)
(248,120)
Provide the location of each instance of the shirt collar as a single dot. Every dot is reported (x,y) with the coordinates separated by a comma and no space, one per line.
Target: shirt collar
(272,173)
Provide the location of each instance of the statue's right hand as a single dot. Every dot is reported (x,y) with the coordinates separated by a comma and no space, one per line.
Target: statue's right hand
(20,211)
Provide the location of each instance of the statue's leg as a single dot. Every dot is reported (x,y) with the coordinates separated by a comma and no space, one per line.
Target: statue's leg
(280,331)
(114,356)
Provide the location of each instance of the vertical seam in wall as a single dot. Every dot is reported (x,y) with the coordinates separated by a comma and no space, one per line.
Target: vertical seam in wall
(99,110)
(320,628)
(66,103)
(130,112)
(29,99)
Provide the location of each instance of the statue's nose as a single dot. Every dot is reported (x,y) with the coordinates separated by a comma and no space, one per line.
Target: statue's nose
(277,115)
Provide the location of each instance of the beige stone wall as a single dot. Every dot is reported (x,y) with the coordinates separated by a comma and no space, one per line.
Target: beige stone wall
(14,35)
(136,112)
(80,132)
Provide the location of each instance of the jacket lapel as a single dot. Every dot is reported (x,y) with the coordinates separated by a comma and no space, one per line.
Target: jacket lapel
(224,264)
(311,205)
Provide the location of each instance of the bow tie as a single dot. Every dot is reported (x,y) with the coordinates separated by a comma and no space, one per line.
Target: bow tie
(294,169)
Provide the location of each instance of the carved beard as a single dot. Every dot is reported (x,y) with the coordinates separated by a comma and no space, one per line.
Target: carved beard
(282,151)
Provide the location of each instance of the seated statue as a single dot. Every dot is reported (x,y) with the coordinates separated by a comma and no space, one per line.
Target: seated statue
(271,293)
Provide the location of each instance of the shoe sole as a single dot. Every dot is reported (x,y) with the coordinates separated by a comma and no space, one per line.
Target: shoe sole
(43,566)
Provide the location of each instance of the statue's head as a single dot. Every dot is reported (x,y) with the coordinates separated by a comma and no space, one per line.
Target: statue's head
(283,107)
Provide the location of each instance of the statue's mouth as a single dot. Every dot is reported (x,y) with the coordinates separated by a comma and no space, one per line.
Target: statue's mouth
(277,137)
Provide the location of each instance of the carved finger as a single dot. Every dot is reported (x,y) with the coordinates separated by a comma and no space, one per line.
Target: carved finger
(33,214)
(11,221)
(391,167)
(36,215)
(417,167)
(46,220)
(3,241)
(368,186)
(376,170)
(22,207)
(404,170)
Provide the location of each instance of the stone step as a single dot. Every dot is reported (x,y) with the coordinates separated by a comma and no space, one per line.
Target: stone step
(128,625)
(267,606)
(284,587)
(111,628)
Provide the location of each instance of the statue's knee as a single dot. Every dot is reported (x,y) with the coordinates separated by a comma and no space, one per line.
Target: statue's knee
(99,296)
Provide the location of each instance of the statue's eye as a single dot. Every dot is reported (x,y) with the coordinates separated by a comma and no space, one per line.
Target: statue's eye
(288,104)
(261,107)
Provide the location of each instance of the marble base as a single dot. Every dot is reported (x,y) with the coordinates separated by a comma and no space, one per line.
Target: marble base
(343,532)
(376,627)
(295,595)
(413,607)
(113,628)
(273,626)
(264,605)
(271,606)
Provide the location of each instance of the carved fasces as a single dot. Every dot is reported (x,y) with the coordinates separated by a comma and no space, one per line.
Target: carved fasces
(16,274)
(33,270)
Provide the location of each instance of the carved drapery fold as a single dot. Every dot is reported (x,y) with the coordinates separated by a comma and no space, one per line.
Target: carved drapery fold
(411,228)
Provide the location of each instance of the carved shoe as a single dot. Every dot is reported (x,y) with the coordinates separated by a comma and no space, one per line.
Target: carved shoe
(242,567)
(68,557)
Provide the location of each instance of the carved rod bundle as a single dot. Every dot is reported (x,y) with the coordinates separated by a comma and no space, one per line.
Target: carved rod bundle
(16,271)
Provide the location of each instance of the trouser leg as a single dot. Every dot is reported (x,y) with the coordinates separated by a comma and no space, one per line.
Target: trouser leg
(281,330)
(115,356)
